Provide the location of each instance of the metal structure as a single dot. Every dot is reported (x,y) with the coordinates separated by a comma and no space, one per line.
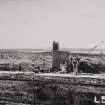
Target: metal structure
(96,46)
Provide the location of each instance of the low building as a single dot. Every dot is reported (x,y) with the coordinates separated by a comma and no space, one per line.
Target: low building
(4,66)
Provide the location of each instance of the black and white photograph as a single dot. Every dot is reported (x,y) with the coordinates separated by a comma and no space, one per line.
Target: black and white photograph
(52,52)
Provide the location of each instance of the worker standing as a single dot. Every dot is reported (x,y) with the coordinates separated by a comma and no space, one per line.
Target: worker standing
(62,67)
(76,65)
(69,67)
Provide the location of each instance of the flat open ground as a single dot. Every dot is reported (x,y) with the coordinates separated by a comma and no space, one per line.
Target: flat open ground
(83,75)
(87,75)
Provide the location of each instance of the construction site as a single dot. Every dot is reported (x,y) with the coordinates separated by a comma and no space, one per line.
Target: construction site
(54,77)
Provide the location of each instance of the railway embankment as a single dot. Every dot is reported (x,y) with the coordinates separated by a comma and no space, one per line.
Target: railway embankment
(50,89)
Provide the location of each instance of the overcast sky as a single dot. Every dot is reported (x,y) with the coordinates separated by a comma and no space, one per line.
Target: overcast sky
(36,23)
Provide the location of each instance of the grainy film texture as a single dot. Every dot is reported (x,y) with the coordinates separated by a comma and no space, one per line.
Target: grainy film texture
(52,52)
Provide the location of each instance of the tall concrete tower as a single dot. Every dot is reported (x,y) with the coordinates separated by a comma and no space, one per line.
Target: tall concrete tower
(55,46)
(58,56)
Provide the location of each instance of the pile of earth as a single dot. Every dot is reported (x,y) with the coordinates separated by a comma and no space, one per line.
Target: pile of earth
(92,65)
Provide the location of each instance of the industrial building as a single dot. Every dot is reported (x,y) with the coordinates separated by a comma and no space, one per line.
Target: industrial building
(44,60)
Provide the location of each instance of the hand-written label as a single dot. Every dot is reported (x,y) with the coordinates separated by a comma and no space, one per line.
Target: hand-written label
(99,99)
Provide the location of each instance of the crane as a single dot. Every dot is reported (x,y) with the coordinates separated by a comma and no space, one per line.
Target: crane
(96,46)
